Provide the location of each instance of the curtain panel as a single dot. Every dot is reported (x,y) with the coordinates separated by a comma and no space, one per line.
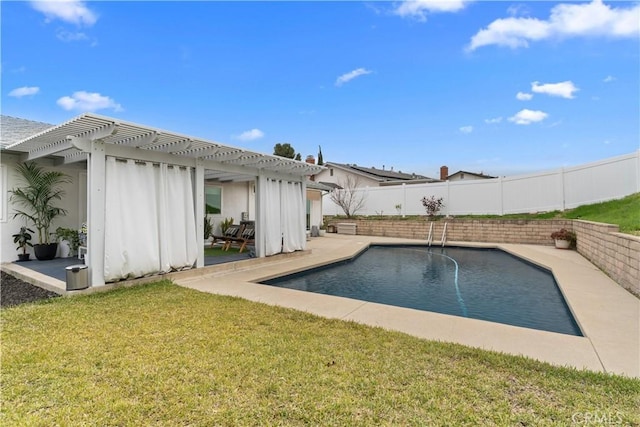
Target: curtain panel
(285,217)
(150,219)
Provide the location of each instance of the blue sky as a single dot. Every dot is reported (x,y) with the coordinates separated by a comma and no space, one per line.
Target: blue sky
(496,87)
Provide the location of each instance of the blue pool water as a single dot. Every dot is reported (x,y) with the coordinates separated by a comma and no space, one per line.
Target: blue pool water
(486,284)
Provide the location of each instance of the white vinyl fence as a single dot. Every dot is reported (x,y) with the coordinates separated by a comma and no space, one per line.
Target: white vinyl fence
(558,189)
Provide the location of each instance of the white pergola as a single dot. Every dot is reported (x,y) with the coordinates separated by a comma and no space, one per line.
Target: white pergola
(91,137)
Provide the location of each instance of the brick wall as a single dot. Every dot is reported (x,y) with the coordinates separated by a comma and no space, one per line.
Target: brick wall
(617,254)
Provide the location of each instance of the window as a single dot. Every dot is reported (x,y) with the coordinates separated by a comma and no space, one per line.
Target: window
(308,214)
(330,172)
(213,199)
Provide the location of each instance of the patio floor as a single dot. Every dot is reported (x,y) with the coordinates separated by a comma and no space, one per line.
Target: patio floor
(608,315)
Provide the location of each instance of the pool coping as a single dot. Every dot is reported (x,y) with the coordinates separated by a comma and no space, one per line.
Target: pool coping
(607,314)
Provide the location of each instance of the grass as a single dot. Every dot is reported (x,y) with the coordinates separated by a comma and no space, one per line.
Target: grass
(217,251)
(623,212)
(159,354)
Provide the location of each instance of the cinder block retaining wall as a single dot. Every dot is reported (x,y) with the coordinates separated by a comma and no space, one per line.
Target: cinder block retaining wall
(615,253)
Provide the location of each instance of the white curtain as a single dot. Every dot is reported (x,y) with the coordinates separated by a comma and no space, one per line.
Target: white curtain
(273,231)
(150,219)
(177,227)
(293,224)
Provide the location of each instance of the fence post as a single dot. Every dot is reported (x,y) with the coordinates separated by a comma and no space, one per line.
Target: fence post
(501,196)
(562,183)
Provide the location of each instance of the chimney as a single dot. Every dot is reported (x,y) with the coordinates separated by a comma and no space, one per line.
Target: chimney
(444,173)
(310,159)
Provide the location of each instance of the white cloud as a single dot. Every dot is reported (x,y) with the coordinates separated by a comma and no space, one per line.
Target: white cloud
(418,9)
(19,92)
(526,117)
(493,121)
(522,96)
(71,11)
(250,135)
(86,101)
(563,89)
(565,20)
(68,36)
(466,129)
(609,79)
(351,75)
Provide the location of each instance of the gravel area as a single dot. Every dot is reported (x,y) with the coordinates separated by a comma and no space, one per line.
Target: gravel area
(14,291)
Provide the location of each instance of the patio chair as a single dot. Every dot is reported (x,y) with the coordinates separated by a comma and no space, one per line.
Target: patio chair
(231,232)
(247,237)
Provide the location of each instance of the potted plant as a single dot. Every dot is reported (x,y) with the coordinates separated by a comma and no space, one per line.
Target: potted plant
(35,198)
(322,229)
(23,239)
(71,237)
(225,223)
(564,239)
(208,228)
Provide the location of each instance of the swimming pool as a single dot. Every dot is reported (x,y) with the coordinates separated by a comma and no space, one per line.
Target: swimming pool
(486,284)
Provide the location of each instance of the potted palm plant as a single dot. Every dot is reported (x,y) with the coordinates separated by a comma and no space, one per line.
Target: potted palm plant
(35,198)
(23,239)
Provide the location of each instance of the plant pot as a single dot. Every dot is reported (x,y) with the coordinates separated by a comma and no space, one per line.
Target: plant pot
(23,257)
(562,244)
(321,232)
(45,252)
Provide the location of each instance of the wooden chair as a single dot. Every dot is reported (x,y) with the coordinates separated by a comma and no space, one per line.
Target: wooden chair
(231,232)
(247,237)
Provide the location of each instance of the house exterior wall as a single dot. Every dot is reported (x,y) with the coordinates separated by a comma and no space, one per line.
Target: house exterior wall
(9,180)
(461,176)
(237,197)
(315,214)
(340,176)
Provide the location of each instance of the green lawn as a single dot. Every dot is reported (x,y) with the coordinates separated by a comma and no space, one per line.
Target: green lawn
(159,354)
(217,250)
(623,212)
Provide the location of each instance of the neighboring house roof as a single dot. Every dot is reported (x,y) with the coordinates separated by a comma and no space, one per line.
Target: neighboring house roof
(331,185)
(322,186)
(381,175)
(474,174)
(14,129)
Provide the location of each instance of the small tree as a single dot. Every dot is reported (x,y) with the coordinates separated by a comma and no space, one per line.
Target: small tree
(350,197)
(320,159)
(432,205)
(284,150)
(298,157)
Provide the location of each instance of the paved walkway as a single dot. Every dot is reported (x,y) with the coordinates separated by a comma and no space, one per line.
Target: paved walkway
(608,315)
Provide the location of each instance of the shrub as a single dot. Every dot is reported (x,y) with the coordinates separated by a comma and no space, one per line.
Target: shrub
(432,205)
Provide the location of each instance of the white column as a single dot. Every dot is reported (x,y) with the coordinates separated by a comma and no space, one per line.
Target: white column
(303,189)
(199,201)
(261,218)
(96,213)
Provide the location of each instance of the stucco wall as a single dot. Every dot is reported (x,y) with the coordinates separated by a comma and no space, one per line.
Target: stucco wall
(72,201)
(617,254)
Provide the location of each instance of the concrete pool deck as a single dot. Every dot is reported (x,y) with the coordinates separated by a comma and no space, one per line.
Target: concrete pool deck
(608,315)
